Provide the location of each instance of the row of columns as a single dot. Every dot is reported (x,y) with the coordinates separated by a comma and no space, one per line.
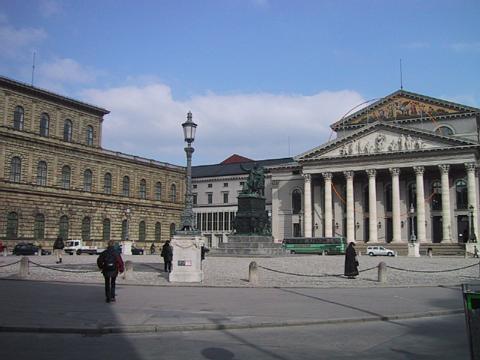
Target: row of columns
(396,216)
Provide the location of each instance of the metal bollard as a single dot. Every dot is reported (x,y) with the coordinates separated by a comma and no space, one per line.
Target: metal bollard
(253,273)
(382,272)
(24,262)
(323,252)
(5,251)
(128,273)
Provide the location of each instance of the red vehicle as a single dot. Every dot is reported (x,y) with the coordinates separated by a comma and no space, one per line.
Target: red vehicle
(2,247)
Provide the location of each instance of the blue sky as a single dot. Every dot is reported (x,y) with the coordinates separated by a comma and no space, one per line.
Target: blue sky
(263,78)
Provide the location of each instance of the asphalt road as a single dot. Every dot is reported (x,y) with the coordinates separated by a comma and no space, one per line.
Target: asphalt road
(420,339)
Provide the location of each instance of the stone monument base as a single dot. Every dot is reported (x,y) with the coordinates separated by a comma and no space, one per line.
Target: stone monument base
(186,263)
(470,248)
(250,245)
(413,249)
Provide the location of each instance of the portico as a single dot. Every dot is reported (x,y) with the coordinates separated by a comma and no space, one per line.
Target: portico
(363,184)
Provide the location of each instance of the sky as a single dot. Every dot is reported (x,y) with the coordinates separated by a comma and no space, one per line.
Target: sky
(263,78)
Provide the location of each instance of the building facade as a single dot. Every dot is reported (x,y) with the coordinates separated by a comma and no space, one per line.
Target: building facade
(56,179)
(402,168)
(215,191)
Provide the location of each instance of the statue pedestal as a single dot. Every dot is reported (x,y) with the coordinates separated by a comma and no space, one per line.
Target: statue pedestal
(414,249)
(186,263)
(470,248)
(127,247)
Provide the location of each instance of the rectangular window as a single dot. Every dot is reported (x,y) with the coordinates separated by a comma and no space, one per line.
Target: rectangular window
(225,197)
(209,221)
(232,218)
(194,199)
(215,218)
(226,222)
(225,184)
(220,221)
(209,198)
(194,186)
(199,222)
(204,221)
(242,183)
(209,185)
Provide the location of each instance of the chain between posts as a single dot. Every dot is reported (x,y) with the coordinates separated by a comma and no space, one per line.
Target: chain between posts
(14,263)
(62,269)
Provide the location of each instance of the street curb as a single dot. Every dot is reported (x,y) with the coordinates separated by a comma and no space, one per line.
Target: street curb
(143,329)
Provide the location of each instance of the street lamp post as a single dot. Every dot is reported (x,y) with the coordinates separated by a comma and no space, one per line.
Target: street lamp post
(189,128)
(472,237)
(413,237)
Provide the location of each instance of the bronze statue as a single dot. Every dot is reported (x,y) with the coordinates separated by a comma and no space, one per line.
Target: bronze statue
(255,184)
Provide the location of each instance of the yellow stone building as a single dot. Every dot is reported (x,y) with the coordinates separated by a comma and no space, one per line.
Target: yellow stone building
(56,179)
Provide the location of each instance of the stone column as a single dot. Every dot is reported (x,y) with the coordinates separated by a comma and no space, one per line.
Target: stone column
(372,205)
(396,221)
(328,203)
(445,203)
(472,194)
(421,234)
(307,216)
(350,207)
(275,211)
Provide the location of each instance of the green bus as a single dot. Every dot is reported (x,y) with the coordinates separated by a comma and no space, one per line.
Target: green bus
(315,245)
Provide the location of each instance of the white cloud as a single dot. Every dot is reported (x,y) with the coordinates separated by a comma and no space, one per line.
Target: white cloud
(56,74)
(465,46)
(15,42)
(146,121)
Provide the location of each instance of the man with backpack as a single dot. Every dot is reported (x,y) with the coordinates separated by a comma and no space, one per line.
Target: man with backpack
(111,263)
(58,246)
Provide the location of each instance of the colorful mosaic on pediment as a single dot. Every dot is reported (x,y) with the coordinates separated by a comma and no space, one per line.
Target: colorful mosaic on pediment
(402,108)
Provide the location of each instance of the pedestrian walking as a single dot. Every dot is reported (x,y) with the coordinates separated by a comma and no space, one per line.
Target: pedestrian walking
(58,246)
(111,263)
(204,250)
(152,249)
(167,254)
(351,261)
(475,251)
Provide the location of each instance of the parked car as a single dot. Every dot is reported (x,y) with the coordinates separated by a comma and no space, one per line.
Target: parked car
(137,251)
(29,249)
(379,250)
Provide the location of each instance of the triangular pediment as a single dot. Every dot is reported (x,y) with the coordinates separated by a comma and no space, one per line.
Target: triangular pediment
(382,139)
(403,105)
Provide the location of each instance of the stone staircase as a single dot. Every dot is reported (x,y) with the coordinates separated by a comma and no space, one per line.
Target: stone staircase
(402,249)
(249,245)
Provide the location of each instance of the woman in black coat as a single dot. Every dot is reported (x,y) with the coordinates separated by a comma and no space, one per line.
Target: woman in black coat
(351,262)
(167,254)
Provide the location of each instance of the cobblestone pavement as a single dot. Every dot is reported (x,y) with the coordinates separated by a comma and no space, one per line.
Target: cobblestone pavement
(287,271)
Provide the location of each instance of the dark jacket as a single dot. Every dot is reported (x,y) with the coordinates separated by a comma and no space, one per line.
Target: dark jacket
(167,252)
(118,261)
(58,244)
(204,250)
(351,263)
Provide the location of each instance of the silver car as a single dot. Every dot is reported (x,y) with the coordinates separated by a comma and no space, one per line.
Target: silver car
(379,250)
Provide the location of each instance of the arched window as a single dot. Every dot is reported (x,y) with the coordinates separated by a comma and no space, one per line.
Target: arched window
(444,130)
(44,124)
(143,189)
(142,231)
(296,201)
(388,197)
(107,183)
(87,180)
(39,227)
(12,225)
(126,186)
(67,130)
(106,230)
(173,193)
(462,194)
(63,227)
(66,177)
(42,173)
(16,169)
(412,195)
(366,200)
(172,230)
(18,118)
(158,191)
(86,223)
(158,231)
(90,135)
(437,195)
(124,229)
